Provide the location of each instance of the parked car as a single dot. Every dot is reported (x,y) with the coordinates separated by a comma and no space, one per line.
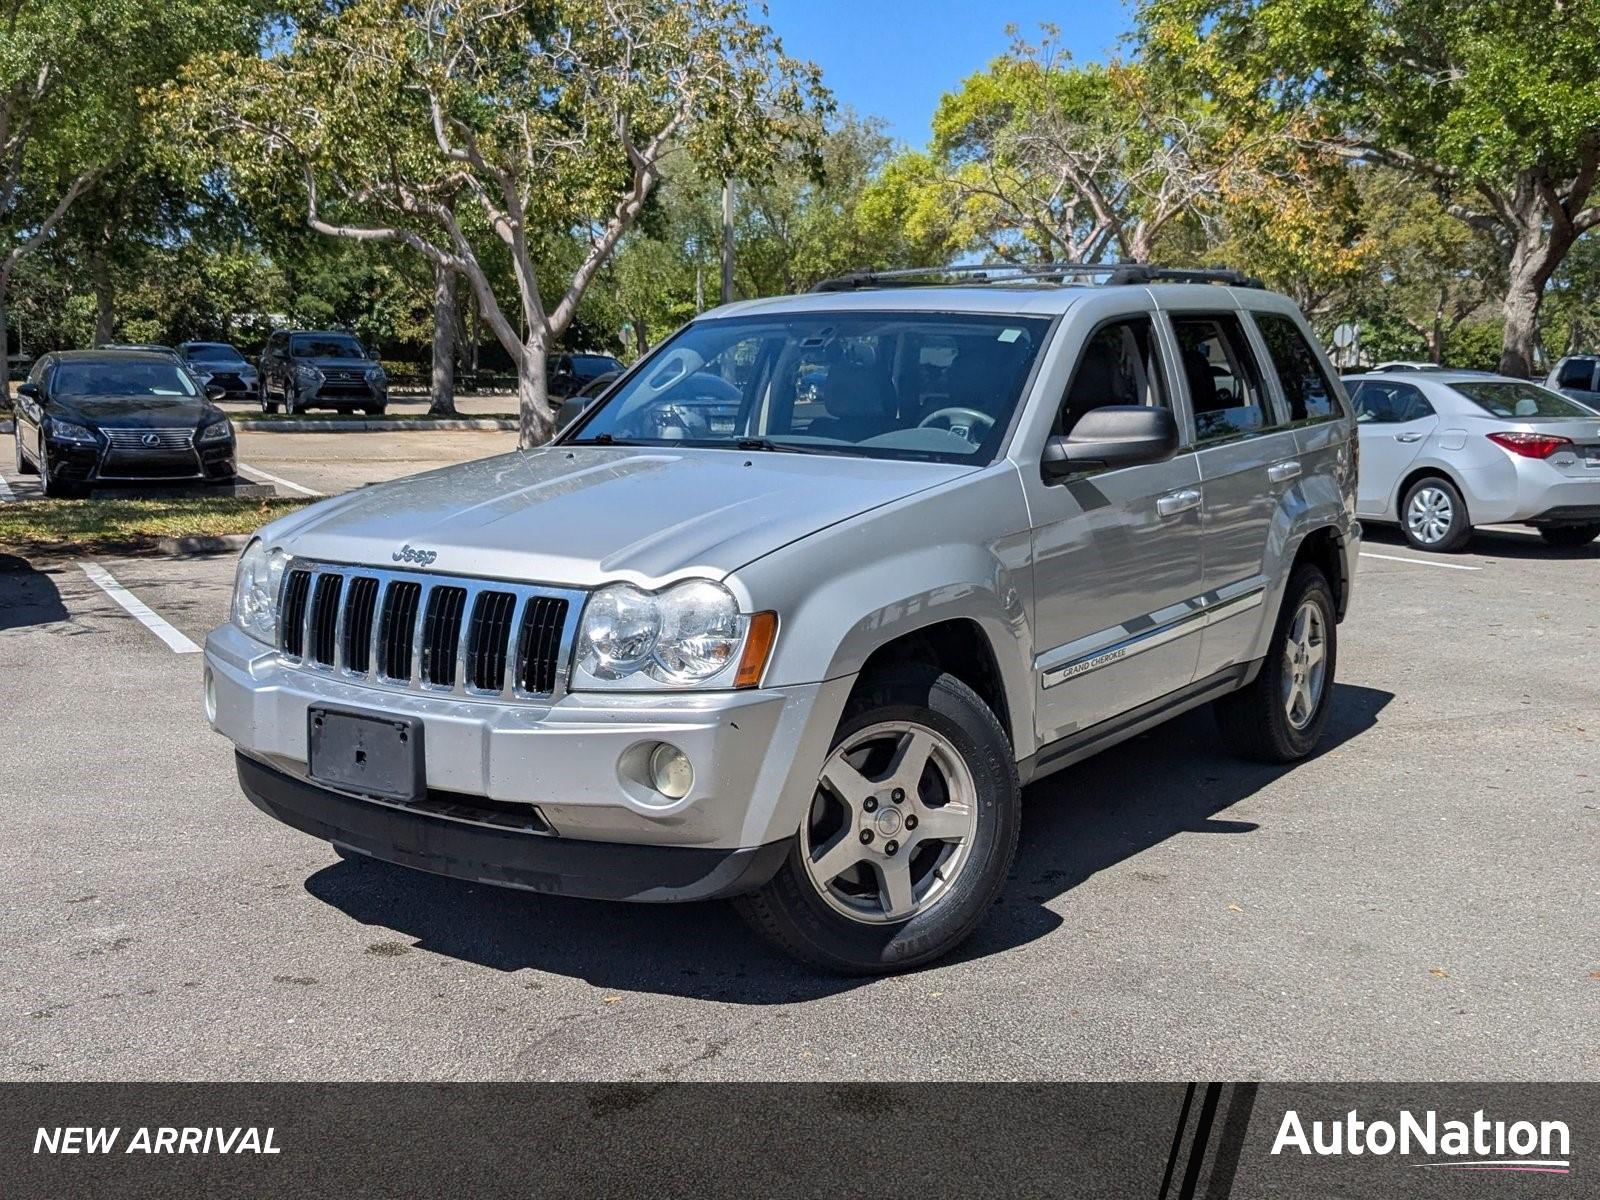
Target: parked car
(1444,452)
(223,366)
(202,377)
(1577,377)
(809,660)
(571,373)
(101,416)
(305,369)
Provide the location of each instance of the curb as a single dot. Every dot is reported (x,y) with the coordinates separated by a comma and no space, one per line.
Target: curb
(458,425)
(228,543)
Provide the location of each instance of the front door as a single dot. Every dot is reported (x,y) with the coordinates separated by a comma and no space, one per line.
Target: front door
(1116,553)
(1393,421)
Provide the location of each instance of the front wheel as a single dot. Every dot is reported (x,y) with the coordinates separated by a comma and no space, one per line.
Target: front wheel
(1569,537)
(1434,516)
(910,833)
(1279,717)
(24,467)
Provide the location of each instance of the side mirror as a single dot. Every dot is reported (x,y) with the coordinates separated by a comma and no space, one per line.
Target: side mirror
(570,411)
(1118,435)
(215,391)
(30,390)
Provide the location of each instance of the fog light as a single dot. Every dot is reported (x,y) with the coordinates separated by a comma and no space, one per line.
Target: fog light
(211,698)
(670,772)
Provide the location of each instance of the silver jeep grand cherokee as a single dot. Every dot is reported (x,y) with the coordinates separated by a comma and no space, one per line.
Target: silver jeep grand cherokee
(950,539)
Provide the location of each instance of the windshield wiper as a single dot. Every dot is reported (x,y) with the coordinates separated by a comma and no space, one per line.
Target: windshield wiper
(761,443)
(603,439)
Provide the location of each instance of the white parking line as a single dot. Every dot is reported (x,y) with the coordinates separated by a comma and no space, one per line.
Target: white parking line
(138,609)
(1419,562)
(258,473)
(5,491)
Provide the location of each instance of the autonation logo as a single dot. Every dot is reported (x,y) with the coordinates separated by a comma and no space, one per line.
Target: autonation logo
(1476,1145)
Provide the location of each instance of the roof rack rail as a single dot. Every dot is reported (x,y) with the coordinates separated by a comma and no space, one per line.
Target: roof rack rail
(1114,273)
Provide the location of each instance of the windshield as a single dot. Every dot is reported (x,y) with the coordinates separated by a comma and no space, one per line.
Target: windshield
(1520,401)
(213,352)
(326,345)
(928,386)
(121,379)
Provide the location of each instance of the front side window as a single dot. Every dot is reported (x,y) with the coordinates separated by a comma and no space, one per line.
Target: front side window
(133,380)
(1379,402)
(930,386)
(1305,386)
(1119,365)
(1223,379)
(1520,401)
(1577,373)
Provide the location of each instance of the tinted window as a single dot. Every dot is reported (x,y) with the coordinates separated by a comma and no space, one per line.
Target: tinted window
(1520,401)
(325,345)
(828,383)
(1119,365)
(213,352)
(590,365)
(1379,402)
(137,379)
(1223,379)
(1577,373)
(1305,386)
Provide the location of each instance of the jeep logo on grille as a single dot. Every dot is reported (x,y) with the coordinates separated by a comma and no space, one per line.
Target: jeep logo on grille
(408,554)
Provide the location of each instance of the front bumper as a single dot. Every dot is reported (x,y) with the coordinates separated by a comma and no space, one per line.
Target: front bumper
(755,753)
(340,394)
(538,862)
(80,463)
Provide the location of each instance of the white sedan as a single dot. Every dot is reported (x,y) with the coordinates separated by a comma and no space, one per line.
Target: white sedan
(1443,451)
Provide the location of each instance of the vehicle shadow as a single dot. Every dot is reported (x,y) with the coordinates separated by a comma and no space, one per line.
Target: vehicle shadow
(1500,541)
(28,596)
(1172,780)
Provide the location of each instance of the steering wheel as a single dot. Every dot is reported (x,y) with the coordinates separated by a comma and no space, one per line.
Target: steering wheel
(960,421)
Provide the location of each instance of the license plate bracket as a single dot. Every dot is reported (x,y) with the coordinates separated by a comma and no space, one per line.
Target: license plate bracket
(374,754)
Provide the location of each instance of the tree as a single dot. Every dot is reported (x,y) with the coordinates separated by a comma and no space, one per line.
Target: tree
(1494,105)
(452,125)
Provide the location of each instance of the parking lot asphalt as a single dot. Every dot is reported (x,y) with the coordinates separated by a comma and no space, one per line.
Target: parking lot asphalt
(1419,901)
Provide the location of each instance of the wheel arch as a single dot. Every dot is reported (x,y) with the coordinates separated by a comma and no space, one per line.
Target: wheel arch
(959,646)
(1418,473)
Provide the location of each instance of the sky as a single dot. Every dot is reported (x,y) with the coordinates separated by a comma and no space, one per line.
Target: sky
(895,58)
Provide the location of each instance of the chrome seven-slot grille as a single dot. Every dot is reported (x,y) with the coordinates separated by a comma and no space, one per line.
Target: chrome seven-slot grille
(430,633)
(134,439)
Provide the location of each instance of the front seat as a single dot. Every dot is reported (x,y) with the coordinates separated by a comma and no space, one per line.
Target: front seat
(855,397)
(1099,382)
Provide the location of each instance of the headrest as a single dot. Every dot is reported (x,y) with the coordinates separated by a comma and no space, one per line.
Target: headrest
(853,391)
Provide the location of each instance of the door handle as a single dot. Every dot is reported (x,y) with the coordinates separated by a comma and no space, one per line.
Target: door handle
(1408,437)
(1177,502)
(1283,472)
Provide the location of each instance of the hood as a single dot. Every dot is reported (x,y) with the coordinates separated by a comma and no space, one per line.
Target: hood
(136,412)
(584,515)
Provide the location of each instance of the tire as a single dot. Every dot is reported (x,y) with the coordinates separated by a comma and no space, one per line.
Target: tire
(848,925)
(55,489)
(267,406)
(24,467)
(1259,722)
(373,410)
(1569,537)
(1440,523)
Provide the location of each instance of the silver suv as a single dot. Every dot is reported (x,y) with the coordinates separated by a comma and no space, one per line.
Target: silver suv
(951,539)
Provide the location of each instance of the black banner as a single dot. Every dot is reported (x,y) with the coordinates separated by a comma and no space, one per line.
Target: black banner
(1157,1141)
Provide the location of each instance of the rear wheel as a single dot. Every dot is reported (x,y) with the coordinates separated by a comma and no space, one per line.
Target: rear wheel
(1434,516)
(1279,717)
(1569,536)
(909,836)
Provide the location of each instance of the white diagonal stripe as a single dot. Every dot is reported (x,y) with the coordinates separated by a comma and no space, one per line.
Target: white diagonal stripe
(257,472)
(138,609)
(1419,562)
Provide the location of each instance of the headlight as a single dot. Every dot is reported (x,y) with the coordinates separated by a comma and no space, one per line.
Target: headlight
(307,374)
(66,431)
(255,591)
(376,375)
(689,633)
(217,431)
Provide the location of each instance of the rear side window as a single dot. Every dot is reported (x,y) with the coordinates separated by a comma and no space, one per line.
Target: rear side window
(1520,401)
(1119,365)
(1223,378)
(1379,402)
(1305,386)
(1577,373)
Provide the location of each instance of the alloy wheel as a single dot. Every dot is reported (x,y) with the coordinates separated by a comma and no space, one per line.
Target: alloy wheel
(1305,653)
(1430,515)
(892,823)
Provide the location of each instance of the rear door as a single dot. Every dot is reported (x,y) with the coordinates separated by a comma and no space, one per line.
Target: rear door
(1116,552)
(1394,421)
(1247,457)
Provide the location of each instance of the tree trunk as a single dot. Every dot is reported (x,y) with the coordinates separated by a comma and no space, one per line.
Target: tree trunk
(105,315)
(442,386)
(5,346)
(641,337)
(536,424)
(1539,243)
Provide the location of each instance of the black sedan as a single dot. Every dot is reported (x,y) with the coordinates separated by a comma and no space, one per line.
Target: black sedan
(87,417)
